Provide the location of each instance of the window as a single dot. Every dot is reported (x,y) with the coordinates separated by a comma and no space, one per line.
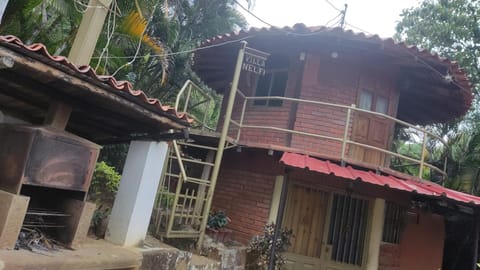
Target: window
(347,229)
(366,100)
(393,223)
(371,102)
(274,82)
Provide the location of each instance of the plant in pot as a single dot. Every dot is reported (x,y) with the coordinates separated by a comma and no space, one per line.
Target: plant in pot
(216,223)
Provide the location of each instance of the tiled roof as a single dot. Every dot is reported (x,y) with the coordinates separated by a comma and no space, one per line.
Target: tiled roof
(301,30)
(421,187)
(425,77)
(122,86)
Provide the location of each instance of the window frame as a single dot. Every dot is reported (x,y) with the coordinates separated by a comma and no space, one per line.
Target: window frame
(273,72)
(375,97)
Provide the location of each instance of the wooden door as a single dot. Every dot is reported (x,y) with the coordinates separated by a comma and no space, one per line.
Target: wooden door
(305,214)
(371,129)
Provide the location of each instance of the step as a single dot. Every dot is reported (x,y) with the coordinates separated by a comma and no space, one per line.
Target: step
(203,263)
(198,146)
(185,159)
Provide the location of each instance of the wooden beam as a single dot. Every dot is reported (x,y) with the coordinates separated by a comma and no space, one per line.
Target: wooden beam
(58,115)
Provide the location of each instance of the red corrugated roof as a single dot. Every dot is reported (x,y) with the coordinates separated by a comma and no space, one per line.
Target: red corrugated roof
(123,86)
(420,187)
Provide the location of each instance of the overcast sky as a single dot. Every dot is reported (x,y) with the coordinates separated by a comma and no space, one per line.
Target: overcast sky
(374,16)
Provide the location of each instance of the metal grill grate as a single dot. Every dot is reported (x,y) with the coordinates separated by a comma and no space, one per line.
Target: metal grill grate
(347,229)
(392,226)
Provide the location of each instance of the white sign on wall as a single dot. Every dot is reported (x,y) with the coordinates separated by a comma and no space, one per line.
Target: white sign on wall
(255,61)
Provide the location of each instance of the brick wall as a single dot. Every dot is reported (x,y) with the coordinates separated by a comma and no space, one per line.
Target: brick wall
(332,81)
(244,191)
(263,115)
(323,79)
(389,258)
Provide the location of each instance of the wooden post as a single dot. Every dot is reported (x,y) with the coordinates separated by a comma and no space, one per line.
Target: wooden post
(80,54)
(58,115)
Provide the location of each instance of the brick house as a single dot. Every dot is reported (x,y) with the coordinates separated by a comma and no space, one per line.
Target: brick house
(322,118)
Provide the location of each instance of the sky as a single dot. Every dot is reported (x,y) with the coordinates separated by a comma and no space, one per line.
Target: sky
(371,16)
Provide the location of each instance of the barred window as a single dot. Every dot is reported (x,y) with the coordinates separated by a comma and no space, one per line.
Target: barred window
(393,222)
(347,229)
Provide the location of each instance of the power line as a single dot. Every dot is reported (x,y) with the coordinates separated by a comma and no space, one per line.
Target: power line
(333,6)
(251,13)
(140,39)
(280,29)
(182,52)
(447,77)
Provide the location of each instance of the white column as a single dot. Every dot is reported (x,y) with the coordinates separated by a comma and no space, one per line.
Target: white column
(3,6)
(133,205)
(275,204)
(376,232)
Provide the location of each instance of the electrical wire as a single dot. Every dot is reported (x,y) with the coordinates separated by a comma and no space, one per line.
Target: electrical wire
(110,32)
(333,6)
(280,29)
(139,42)
(423,62)
(185,51)
(443,76)
(251,13)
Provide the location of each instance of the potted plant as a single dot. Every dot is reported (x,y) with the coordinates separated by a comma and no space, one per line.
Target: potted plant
(216,223)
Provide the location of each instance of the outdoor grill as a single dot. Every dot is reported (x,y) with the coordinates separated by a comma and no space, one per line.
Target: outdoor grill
(53,168)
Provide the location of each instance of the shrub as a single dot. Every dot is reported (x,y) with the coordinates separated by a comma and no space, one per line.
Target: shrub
(104,185)
(259,248)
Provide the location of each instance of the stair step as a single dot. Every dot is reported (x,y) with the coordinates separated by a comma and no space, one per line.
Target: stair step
(194,161)
(191,179)
(198,146)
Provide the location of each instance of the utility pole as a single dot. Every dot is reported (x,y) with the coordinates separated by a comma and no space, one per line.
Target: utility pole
(344,13)
(89,31)
(81,53)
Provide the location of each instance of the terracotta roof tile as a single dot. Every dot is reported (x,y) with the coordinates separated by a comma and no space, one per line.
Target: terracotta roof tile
(122,86)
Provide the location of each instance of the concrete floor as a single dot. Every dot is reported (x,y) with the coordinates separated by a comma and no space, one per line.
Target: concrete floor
(94,255)
(102,255)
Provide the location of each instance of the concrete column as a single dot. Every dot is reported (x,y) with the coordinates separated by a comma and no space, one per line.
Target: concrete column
(376,232)
(133,205)
(3,6)
(277,192)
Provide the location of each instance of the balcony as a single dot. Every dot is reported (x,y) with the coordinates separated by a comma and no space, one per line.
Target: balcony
(332,131)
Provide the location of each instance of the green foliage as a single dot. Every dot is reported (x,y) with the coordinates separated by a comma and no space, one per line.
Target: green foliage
(259,248)
(104,185)
(217,220)
(165,199)
(451,28)
(114,155)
